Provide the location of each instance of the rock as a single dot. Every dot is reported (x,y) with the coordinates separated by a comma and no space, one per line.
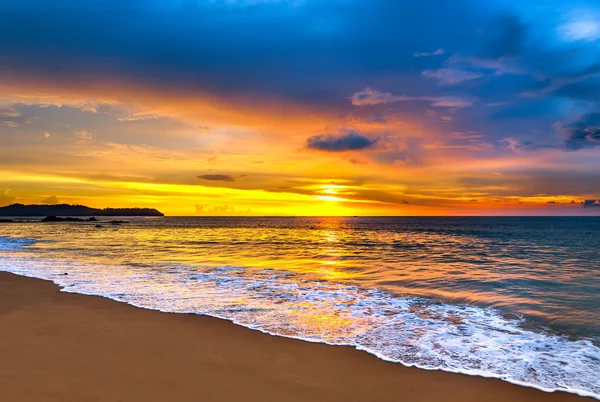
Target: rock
(99,226)
(59,219)
(92,219)
(117,222)
(6,221)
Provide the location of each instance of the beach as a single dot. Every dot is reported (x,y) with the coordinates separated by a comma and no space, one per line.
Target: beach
(64,347)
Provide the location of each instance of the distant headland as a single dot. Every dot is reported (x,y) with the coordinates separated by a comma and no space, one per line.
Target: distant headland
(73,210)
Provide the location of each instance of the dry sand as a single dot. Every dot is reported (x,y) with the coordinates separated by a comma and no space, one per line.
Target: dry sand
(64,347)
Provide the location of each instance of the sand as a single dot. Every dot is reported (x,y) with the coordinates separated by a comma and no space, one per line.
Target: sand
(56,346)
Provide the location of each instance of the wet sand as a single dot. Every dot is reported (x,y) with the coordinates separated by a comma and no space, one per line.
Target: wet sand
(65,347)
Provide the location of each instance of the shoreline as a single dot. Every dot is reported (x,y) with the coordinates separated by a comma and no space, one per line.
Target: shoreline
(59,346)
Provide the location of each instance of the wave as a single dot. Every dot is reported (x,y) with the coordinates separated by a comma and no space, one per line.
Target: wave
(412,331)
(14,243)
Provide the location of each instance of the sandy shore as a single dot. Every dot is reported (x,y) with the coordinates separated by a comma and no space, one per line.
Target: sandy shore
(64,347)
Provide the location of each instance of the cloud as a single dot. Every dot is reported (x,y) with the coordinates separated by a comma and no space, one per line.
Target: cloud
(52,200)
(591,203)
(372,97)
(462,141)
(46,134)
(216,177)
(536,182)
(9,112)
(519,146)
(9,123)
(438,52)
(581,25)
(44,99)
(581,133)
(484,65)
(139,116)
(504,40)
(225,57)
(451,76)
(449,101)
(582,84)
(218,210)
(201,207)
(83,135)
(356,161)
(5,197)
(351,140)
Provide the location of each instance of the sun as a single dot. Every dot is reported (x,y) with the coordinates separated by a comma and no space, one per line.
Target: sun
(331,198)
(330,193)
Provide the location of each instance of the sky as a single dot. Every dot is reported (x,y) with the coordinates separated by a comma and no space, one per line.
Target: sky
(302,107)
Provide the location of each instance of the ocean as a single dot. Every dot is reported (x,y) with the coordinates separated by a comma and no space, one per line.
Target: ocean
(515,298)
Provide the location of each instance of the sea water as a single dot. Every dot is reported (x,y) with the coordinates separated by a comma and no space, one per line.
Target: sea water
(511,298)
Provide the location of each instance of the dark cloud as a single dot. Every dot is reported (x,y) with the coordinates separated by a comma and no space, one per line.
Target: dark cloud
(582,133)
(216,177)
(294,50)
(312,53)
(349,140)
(591,203)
